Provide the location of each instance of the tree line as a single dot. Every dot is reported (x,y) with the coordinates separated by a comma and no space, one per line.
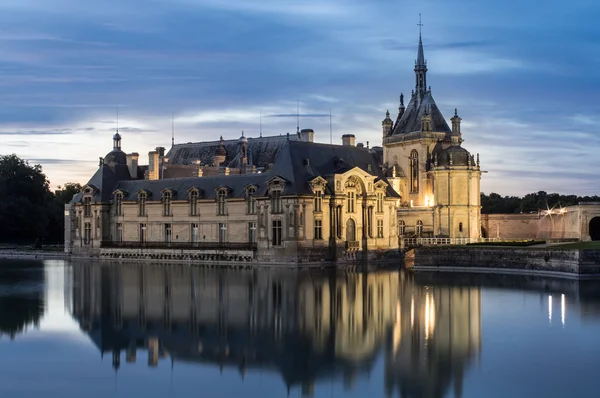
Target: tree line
(30,213)
(532,202)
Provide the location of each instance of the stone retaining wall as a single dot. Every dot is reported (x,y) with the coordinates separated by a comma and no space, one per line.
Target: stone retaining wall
(535,261)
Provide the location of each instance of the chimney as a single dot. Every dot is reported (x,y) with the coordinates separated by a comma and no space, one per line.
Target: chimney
(132,164)
(307,135)
(348,140)
(153,165)
(225,171)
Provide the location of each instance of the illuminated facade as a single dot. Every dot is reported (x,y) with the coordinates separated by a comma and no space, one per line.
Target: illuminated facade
(438,179)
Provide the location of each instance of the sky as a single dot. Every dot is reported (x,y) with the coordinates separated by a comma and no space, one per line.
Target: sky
(524,78)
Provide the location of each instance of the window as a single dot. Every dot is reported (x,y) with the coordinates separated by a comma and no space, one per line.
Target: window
(119,204)
(221,202)
(460,227)
(194,233)
(142,203)
(319,201)
(87,233)
(87,206)
(338,222)
(168,233)
(222,232)
(380,228)
(291,221)
(419,228)
(318,229)
(119,232)
(401,228)
(370,222)
(166,199)
(276,232)
(251,201)
(193,203)
(251,232)
(414,171)
(142,233)
(301,219)
(276,205)
(351,202)
(379,202)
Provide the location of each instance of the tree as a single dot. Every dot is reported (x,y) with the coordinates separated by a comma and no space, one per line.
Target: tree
(532,202)
(62,195)
(24,195)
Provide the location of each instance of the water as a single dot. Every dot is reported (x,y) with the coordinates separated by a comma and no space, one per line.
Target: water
(75,330)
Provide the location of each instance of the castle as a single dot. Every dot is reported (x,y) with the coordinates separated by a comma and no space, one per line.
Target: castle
(285,198)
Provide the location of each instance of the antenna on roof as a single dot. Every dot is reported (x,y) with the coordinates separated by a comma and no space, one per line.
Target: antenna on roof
(172,130)
(298,117)
(117,119)
(330,130)
(260,124)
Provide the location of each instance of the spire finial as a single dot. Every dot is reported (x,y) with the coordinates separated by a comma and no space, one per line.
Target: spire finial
(420,25)
(455,112)
(387,113)
(242,133)
(172,130)
(402,99)
(221,139)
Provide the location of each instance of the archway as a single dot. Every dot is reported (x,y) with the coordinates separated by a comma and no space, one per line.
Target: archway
(350,230)
(595,228)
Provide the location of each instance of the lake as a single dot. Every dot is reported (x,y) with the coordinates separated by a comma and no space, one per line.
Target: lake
(157,330)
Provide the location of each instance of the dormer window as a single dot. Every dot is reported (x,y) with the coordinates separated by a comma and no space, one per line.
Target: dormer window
(167,197)
(119,203)
(251,200)
(142,196)
(193,198)
(276,201)
(319,201)
(221,202)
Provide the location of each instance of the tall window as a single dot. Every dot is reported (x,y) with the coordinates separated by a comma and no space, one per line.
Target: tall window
(379,202)
(318,229)
(419,228)
(119,204)
(401,228)
(168,233)
(142,233)
(194,233)
(414,171)
(193,203)
(119,232)
(380,228)
(166,199)
(87,233)
(87,206)
(251,201)
(370,221)
(351,202)
(338,222)
(251,232)
(222,232)
(277,233)
(221,202)
(460,227)
(142,203)
(319,201)
(276,205)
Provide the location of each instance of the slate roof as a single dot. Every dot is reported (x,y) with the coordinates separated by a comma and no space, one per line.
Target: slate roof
(261,151)
(410,121)
(298,163)
(460,156)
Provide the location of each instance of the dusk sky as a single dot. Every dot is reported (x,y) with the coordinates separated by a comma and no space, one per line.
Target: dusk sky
(523,75)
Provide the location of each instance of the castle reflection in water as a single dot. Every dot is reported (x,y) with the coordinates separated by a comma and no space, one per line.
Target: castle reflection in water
(308,326)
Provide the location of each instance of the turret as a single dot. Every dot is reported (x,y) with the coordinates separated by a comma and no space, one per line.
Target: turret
(117,141)
(420,69)
(387,124)
(220,154)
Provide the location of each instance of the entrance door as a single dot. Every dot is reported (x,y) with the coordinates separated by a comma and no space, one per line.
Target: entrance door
(350,230)
(595,228)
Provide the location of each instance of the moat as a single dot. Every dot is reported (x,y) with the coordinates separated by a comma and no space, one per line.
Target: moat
(107,330)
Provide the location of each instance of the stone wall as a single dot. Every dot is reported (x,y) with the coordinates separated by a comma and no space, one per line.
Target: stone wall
(478,259)
(510,226)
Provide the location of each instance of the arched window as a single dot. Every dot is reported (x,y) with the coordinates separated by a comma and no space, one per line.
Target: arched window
(119,204)
(419,228)
(401,228)
(251,201)
(221,202)
(142,196)
(193,202)
(166,200)
(414,171)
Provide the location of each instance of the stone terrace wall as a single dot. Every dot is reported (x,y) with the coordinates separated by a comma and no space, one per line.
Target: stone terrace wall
(511,226)
(577,262)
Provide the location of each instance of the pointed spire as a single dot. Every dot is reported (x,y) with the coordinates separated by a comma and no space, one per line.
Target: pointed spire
(420,65)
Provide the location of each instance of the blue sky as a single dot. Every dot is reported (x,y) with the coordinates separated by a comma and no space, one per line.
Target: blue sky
(523,76)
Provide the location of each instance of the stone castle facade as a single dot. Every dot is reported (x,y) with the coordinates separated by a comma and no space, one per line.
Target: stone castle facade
(285,198)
